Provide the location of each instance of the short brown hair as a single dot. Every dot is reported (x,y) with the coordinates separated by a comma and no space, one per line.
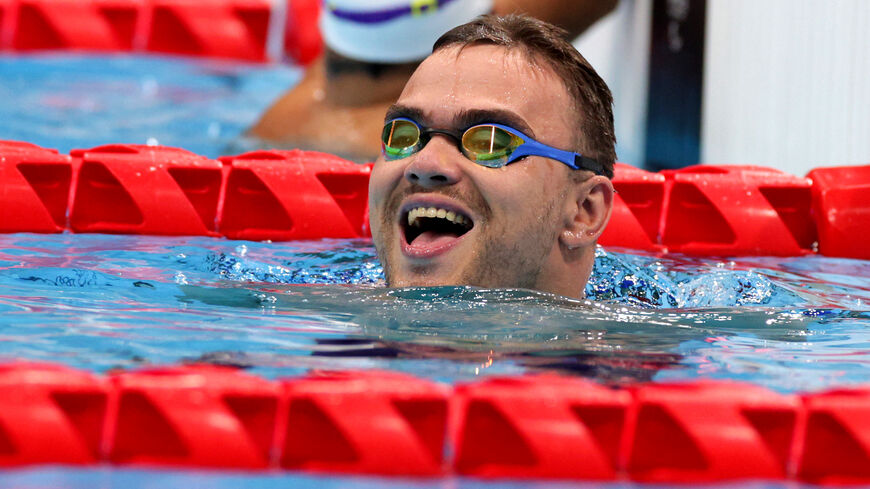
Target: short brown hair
(542,40)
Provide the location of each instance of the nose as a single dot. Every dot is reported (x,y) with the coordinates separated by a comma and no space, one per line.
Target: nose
(435,165)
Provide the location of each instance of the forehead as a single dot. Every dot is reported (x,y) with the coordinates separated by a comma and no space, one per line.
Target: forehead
(489,77)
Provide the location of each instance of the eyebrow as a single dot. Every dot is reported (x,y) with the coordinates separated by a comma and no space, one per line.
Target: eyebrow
(397,110)
(469,117)
(465,118)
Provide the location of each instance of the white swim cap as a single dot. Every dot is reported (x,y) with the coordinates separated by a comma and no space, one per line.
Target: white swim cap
(393,31)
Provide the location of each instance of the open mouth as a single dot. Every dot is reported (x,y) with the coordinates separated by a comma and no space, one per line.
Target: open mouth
(431,226)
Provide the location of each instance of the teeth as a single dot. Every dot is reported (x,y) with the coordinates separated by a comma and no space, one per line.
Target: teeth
(430,212)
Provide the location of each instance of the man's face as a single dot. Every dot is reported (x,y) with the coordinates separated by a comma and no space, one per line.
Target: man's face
(493,227)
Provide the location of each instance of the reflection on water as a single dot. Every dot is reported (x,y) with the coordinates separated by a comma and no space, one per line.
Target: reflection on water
(102,302)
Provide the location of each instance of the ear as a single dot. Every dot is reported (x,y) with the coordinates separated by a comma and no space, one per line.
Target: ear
(589,212)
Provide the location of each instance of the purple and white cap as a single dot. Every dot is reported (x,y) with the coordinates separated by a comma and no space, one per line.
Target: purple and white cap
(393,31)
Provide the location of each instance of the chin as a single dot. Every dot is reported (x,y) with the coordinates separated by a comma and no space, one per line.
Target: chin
(422,279)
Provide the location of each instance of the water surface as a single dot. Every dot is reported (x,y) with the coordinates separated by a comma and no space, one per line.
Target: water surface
(100,302)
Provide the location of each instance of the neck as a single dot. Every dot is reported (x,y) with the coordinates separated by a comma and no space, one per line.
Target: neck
(567,271)
(353,83)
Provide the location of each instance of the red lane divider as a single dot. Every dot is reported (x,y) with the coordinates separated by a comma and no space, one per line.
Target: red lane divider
(104,25)
(302,40)
(51,414)
(712,210)
(34,188)
(8,19)
(387,423)
(637,209)
(711,431)
(549,427)
(135,189)
(365,422)
(737,210)
(840,210)
(836,440)
(215,28)
(237,29)
(286,195)
(192,416)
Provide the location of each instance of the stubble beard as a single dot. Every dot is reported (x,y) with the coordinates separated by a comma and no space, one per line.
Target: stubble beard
(518,264)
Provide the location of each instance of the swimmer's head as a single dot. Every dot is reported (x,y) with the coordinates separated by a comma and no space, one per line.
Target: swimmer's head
(452,204)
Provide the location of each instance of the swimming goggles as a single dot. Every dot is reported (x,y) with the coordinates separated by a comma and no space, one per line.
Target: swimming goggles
(491,145)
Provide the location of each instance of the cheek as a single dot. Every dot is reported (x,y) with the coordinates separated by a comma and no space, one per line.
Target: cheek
(381,182)
(521,194)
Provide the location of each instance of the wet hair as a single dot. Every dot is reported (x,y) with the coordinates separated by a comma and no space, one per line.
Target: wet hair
(543,41)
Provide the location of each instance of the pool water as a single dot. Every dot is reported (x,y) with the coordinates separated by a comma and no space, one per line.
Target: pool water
(67,101)
(100,302)
(141,479)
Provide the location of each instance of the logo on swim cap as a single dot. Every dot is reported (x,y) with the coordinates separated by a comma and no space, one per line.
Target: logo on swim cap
(421,7)
(393,31)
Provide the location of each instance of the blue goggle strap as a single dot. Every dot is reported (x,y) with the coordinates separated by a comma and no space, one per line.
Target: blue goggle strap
(530,147)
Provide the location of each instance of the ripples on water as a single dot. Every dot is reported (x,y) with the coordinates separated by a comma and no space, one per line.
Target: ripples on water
(100,302)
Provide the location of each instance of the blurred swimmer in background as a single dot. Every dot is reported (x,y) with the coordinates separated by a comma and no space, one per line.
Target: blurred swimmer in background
(372,48)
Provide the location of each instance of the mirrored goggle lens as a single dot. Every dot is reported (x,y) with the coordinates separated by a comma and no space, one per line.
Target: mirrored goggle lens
(489,145)
(401,138)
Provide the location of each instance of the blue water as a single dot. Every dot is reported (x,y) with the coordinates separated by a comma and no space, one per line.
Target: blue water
(100,302)
(79,101)
(140,479)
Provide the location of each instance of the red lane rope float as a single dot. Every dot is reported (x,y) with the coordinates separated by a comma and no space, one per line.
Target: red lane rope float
(840,210)
(136,189)
(386,423)
(236,29)
(377,422)
(144,190)
(539,427)
(34,188)
(713,210)
(302,39)
(286,195)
